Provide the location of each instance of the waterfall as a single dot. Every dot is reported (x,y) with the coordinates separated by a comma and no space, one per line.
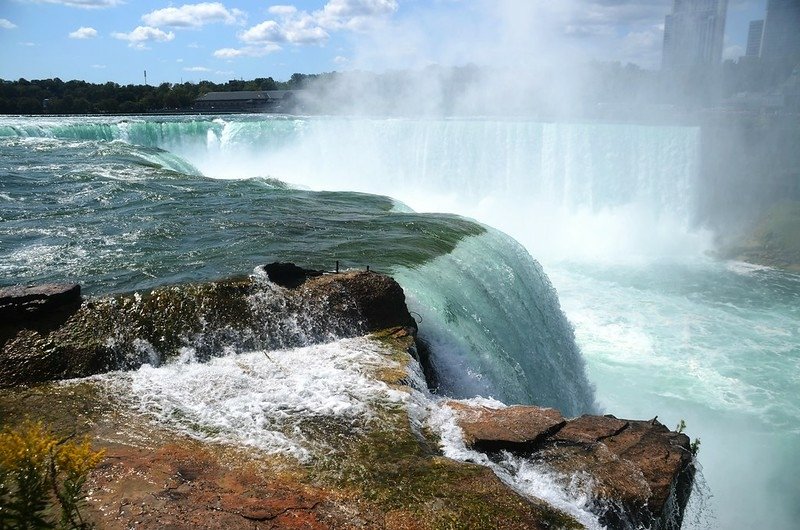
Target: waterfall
(493,321)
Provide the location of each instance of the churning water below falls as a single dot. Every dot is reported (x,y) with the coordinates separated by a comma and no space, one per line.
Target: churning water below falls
(119,204)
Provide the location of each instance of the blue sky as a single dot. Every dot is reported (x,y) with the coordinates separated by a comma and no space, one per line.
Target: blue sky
(116,40)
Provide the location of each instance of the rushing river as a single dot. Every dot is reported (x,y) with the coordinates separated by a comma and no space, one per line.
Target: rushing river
(130,203)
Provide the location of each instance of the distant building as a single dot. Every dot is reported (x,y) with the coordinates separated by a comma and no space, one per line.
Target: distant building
(246,101)
(781,42)
(693,34)
(754,37)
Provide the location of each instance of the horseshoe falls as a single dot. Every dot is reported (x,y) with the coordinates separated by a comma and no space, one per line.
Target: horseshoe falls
(608,211)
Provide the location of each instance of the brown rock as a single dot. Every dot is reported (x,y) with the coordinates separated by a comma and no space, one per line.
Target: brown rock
(642,472)
(40,307)
(639,473)
(289,275)
(378,298)
(513,428)
(589,429)
(182,487)
(24,301)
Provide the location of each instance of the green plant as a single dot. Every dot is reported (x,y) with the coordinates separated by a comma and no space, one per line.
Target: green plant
(681,427)
(40,475)
(694,447)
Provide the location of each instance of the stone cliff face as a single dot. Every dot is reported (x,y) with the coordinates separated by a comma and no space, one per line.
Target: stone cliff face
(385,470)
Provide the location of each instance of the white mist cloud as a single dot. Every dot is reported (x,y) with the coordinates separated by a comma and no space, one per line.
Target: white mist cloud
(139,37)
(514,55)
(196,69)
(7,24)
(193,15)
(732,52)
(83,33)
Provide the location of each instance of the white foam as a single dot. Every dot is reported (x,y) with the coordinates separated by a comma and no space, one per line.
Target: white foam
(261,399)
(745,268)
(522,475)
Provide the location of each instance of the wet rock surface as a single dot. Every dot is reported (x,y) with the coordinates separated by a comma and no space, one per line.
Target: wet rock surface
(188,486)
(390,475)
(126,331)
(512,428)
(39,307)
(23,302)
(289,275)
(639,473)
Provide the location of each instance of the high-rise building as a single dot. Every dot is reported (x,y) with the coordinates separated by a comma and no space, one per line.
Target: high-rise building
(693,34)
(754,36)
(781,41)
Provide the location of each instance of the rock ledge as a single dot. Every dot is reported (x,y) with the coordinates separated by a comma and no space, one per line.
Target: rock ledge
(639,473)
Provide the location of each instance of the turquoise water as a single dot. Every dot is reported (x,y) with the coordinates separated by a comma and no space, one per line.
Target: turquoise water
(122,204)
(714,344)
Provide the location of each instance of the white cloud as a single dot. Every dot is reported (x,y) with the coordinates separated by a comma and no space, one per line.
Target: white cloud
(7,24)
(339,59)
(268,31)
(193,15)
(196,69)
(142,35)
(304,28)
(301,29)
(27,43)
(83,33)
(354,14)
(98,66)
(247,51)
(282,10)
(83,4)
(732,52)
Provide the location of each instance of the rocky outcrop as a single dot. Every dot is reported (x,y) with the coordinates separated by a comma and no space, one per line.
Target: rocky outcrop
(774,240)
(387,472)
(639,473)
(34,302)
(512,428)
(289,275)
(387,475)
(126,331)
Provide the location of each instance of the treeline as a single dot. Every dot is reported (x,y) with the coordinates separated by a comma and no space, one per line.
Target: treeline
(54,96)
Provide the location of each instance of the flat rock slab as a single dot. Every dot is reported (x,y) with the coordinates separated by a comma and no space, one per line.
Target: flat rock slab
(180,487)
(516,427)
(21,302)
(590,429)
